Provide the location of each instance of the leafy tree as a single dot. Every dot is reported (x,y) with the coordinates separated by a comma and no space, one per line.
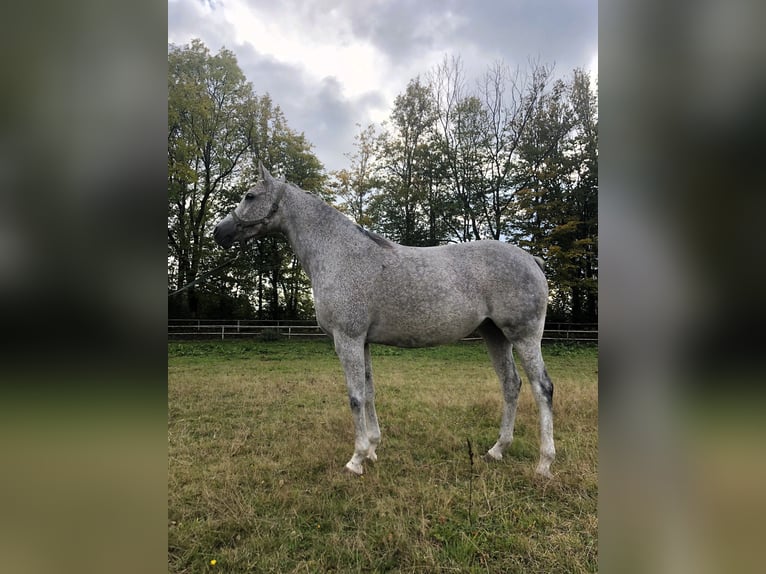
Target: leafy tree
(584,196)
(209,133)
(481,134)
(354,185)
(218,131)
(556,206)
(508,102)
(406,167)
(267,268)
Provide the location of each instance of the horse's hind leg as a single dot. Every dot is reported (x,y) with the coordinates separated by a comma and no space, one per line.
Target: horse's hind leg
(532,360)
(373,430)
(501,353)
(352,356)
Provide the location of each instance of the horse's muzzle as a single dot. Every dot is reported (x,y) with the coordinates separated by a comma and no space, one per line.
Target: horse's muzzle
(225,233)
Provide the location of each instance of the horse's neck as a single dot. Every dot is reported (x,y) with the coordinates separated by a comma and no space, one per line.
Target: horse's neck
(315,230)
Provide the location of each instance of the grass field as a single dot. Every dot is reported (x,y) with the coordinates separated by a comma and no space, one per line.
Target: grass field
(258,433)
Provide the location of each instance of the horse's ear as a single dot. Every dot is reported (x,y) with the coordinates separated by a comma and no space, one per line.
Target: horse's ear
(265,175)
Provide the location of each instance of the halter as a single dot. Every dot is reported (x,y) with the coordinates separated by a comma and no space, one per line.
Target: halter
(245,223)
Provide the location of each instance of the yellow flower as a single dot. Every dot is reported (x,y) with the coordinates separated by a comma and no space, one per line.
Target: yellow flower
(213,562)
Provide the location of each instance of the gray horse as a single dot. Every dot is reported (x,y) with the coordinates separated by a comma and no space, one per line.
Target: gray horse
(368,289)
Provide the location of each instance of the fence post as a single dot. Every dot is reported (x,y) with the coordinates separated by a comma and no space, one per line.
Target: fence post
(222,328)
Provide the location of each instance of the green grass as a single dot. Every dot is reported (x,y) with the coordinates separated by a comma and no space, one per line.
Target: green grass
(259,432)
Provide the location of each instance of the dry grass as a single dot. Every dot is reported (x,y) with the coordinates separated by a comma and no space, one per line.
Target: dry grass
(259,432)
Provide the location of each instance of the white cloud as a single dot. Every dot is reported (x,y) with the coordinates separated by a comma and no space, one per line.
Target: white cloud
(325,49)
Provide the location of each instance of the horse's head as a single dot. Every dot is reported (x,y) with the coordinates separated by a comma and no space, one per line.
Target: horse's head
(255,215)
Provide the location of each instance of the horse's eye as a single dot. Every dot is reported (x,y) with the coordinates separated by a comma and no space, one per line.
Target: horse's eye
(249,195)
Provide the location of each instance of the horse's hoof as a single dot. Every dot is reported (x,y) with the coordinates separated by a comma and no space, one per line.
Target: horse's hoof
(492,457)
(372,457)
(543,473)
(353,469)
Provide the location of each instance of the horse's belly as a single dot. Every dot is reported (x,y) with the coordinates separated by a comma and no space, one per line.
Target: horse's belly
(403,339)
(422,313)
(420,331)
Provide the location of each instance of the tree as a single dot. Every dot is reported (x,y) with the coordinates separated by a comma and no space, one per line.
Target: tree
(556,205)
(585,196)
(508,101)
(218,131)
(209,132)
(481,134)
(406,161)
(354,185)
(267,268)
(452,105)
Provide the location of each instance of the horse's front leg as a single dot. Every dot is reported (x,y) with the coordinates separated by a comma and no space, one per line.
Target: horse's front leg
(351,354)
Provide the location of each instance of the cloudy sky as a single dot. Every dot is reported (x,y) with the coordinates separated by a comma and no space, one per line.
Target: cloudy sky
(332,64)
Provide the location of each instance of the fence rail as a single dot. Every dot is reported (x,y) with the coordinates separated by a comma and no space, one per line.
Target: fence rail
(180,329)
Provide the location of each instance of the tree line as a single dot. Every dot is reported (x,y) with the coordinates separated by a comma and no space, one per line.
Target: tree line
(511,156)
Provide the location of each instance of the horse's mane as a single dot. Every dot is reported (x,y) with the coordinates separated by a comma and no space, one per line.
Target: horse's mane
(379,239)
(335,213)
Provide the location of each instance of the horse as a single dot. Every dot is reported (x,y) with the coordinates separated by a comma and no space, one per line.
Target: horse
(368,289)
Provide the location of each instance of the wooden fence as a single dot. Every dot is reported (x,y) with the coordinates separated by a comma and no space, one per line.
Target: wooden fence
(180,329)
